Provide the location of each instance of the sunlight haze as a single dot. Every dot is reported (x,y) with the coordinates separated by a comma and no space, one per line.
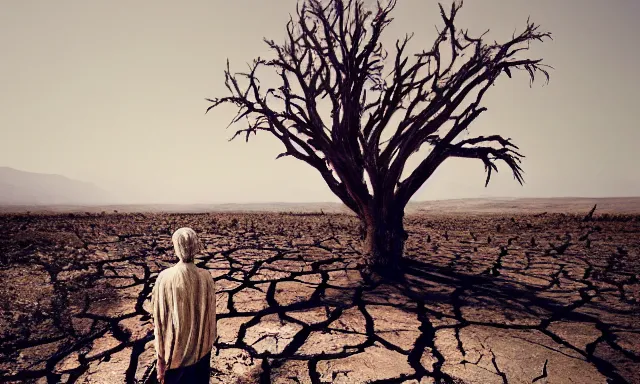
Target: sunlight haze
(113,93)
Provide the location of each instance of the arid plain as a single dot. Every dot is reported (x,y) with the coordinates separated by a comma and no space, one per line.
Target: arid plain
(521,296)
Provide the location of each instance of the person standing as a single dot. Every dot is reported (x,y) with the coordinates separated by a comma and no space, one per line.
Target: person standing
(184,315)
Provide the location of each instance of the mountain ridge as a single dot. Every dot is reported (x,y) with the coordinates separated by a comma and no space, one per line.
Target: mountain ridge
(22,191)
(19,187)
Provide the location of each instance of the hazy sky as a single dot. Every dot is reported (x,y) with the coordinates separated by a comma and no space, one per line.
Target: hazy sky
(112,92)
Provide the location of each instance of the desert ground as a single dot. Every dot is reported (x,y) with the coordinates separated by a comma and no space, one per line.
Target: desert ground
(487,298)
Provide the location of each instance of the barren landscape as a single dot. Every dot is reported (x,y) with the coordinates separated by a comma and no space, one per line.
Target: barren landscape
(529,298)
(385,191)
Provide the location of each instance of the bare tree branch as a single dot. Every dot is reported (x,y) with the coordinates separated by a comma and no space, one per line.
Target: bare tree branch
(333,52)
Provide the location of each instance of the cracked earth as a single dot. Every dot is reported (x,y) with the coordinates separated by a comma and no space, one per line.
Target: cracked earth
(541,298)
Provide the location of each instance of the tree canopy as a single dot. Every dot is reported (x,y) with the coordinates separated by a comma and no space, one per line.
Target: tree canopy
(333,52)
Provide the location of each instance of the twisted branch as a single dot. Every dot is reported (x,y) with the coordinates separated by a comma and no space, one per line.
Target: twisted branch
(333,52)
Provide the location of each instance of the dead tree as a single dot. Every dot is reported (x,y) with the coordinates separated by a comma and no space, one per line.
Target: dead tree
(589,215)
(339,89)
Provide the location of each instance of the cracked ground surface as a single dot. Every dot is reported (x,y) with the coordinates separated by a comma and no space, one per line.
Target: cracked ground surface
(487,299)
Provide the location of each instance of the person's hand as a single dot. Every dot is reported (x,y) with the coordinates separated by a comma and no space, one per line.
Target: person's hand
(160,370)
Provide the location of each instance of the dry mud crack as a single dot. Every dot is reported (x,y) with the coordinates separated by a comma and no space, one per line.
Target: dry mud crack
(487,299)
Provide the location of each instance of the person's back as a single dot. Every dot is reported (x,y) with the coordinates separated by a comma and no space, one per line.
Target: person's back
(184,315)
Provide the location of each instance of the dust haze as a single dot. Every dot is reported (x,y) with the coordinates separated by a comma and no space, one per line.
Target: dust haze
(112,94)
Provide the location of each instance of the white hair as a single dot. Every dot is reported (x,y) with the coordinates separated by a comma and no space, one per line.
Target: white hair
(186,244)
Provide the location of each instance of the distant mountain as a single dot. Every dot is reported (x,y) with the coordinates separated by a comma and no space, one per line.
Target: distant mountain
(28,188)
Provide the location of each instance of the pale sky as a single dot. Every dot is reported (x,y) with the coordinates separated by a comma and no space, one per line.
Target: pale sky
(112,92)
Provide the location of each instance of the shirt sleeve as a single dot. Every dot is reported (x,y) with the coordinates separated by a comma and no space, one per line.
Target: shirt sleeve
(212,305)
(157,300)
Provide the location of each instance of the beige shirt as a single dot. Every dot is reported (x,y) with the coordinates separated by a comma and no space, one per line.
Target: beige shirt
(184,313)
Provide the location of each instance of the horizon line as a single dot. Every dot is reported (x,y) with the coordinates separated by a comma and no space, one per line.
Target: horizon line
(112,204)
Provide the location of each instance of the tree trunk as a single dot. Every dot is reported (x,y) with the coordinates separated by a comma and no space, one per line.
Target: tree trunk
(384,238)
